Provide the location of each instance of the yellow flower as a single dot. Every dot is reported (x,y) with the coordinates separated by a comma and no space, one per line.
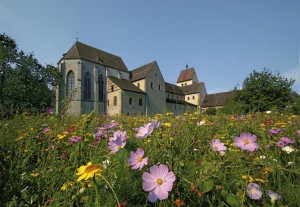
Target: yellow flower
(65,186)
(35,174)
(260,180)
(59,136)
(166,124)
(88,171)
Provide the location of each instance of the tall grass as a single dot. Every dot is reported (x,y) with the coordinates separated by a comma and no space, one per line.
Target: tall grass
(38,166)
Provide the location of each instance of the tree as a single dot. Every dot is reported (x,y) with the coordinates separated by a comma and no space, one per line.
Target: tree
(24,82)
(264,91)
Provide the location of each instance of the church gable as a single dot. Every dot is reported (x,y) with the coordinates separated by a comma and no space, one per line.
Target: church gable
(187,77)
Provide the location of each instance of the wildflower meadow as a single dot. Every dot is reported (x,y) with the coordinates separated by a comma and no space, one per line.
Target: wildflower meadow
(163,160)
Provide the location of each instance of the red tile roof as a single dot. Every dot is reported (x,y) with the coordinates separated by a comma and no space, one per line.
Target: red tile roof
(186,75)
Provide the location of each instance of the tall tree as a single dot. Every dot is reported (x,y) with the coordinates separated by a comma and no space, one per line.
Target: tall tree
(8,56)
(24,82)
(264,90)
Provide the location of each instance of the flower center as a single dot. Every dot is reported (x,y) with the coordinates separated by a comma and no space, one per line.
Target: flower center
(216,147)
(119,147)
(159,181)
(139,159)
(246,142)
(91,168)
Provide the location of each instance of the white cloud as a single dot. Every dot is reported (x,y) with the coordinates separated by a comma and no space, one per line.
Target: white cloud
(4,11)
(294,73)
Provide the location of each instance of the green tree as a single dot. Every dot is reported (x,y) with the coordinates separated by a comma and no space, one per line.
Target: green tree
(8,56)
(24,83)
(262,91)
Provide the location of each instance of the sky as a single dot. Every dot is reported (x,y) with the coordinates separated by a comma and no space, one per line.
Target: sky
(223,40)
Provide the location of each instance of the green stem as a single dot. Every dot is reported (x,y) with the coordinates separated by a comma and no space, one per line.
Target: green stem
(111,189)
(97,193)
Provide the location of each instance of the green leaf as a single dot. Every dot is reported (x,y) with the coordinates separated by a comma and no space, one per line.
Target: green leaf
(232,200)
(207,185)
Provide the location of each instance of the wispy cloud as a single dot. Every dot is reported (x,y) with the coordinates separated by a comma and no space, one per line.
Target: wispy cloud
(294,73)
(4,11)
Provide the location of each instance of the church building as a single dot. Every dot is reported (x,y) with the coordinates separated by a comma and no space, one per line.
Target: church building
(94,80)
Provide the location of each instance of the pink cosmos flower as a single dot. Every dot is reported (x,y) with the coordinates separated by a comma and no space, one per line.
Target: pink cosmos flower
(254,191)
(144,131)
(156,123)
(275,131)
(284,141)
(217,145)
(136,159)
(246,141)
(158,182)
(45,130)
(101,134)
(49,111)
(109,126)
(74,139)
(117,142)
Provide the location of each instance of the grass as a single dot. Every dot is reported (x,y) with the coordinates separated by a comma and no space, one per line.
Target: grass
(38,168)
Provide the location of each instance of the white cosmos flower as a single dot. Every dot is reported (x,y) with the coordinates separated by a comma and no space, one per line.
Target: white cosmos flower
(288,149)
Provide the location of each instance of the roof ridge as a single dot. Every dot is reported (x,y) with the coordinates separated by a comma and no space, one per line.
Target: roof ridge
(144,65)
(97,49)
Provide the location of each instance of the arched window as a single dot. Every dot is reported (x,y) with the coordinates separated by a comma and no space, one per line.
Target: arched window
(70,84)
(101,87)
(87,86)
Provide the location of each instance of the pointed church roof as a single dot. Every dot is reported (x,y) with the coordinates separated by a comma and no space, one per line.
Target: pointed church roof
(141,72)
(86,52)
(126,85)
(186,75)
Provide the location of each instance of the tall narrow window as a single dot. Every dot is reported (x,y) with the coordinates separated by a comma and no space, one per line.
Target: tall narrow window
(152,85)
(87,89)
(112,88)
(141,102)
(158,87)
(115,100)
(138,85)
(101,88)
(70,84)
(130,101)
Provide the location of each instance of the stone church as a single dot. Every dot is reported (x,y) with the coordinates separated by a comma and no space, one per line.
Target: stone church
(94,80)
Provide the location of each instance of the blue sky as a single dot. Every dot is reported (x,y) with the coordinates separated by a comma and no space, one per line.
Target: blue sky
(224,40)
